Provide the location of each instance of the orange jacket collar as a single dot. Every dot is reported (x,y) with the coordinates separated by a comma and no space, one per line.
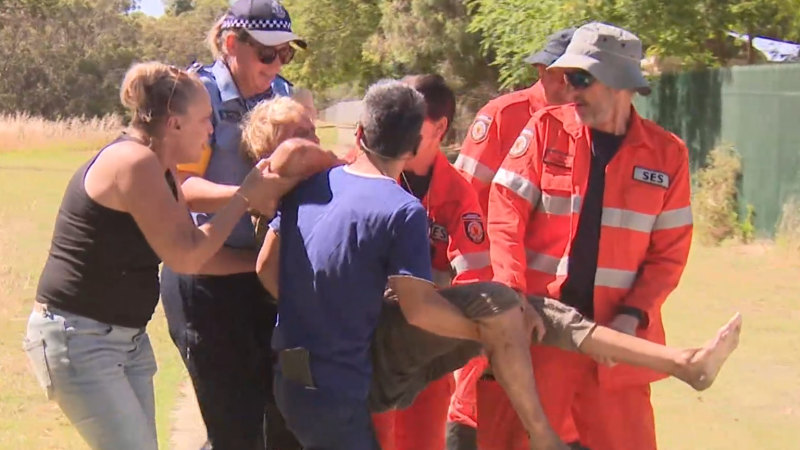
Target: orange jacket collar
(536,97)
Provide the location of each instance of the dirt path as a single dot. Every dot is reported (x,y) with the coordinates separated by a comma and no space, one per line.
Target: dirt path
(188,431)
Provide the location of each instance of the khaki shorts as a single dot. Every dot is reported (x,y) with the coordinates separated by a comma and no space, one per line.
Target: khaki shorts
(406,358)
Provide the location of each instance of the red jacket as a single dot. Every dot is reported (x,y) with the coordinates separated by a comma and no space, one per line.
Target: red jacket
(646,219)
(460,248)
(491,135)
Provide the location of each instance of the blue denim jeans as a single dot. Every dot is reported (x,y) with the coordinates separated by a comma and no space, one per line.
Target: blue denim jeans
(323,420)
(100,375)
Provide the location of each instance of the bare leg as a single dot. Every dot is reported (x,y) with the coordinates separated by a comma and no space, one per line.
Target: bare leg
(507,342)
(697,367)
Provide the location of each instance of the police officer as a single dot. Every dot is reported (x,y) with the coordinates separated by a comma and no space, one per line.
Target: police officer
(223,324)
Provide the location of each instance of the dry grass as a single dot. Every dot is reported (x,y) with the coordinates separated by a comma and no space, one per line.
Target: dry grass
(788,230)
(25,132)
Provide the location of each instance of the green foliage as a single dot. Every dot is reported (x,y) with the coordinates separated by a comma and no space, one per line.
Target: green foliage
(336,31)
(513,29)
(178,7)
(747,229)
(432,36)
(66,57)
(715,202)
(692,31)
(179,39)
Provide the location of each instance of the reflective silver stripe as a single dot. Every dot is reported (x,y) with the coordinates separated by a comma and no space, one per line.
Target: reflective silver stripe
(560,206)
(675,218)
(518,184)
(442,278)
(470,261)
(474,168)
(614,278)
(630,220)
(547,264)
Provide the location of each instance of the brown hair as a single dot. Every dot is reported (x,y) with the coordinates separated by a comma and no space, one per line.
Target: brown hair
(215,39)
(152,91)
(440,101)
(264,128)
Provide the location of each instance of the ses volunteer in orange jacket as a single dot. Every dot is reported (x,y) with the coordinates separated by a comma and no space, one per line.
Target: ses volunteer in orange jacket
(496,127)
(592,206)
(460,255)
(500,121)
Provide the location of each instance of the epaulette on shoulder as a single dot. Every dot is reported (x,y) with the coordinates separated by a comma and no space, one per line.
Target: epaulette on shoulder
(561,113)
(505,101)
(654,129)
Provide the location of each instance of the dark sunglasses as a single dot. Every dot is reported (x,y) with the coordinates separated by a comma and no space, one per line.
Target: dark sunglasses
(267,55)
(579,79)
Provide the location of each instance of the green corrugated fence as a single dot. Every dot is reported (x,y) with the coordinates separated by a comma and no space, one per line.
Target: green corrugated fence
(754,108)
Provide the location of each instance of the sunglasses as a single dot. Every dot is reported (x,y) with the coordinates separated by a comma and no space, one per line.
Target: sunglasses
(176,73)
(579,79)
(267,55)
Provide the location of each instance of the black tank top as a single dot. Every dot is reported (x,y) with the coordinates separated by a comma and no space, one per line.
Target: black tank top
(100,265)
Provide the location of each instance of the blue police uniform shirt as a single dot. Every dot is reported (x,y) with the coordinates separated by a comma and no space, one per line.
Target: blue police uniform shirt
(227,164)
(342,236)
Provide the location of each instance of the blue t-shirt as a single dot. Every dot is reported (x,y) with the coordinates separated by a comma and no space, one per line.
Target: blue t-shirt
(342,236)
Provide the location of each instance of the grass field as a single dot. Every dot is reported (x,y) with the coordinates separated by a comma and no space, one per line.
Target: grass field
(31,185)
(754,405)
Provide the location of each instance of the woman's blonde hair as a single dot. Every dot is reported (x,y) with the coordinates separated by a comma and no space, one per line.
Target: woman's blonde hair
(215,40)
(152,91)
(265,127)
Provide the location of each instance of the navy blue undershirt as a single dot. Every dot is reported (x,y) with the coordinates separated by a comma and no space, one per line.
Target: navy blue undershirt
(578,289)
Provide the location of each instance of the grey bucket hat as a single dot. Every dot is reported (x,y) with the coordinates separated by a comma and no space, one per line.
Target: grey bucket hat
(555,46)
(609,53)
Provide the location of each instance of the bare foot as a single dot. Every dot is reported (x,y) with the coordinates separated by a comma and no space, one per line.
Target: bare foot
(704,364)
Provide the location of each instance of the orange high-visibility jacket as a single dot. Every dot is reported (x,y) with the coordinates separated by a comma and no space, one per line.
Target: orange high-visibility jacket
(456,228)
(646,219)
(460,254)
(494,130)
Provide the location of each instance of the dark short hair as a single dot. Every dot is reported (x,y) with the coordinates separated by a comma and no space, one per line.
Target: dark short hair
(392,119)
(440,101)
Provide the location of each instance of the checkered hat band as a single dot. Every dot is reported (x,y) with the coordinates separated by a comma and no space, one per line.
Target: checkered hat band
(257,24)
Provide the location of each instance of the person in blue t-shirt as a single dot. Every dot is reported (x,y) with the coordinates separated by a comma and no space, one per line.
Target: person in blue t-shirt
(344,234)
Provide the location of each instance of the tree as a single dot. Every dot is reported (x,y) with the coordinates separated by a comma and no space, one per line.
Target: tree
(336,31)
(180,39)
(777,19)
(512,29)
(432,36)
(178,7)
(64,58)
(421,36)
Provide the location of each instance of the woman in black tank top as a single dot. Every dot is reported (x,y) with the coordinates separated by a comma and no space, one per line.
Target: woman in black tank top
(121,215)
